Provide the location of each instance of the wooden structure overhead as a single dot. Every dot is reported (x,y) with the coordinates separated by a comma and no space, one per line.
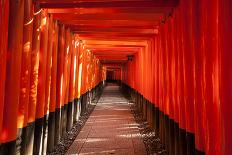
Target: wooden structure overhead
(111,29)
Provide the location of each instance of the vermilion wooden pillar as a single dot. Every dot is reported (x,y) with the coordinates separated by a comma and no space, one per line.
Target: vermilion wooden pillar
(77,44)
(182,118)
(212,97)
(60,81)
(199,77)
(4,15)
(53,97)
(12,80)
(166,83)
(67,51)
(156,83)
(80,68)
(71,84)
(161,79)
(49,64)
(22,118)
(33,78)
(75,74)
(172,84)
(175,80)
(48,86)
(39,122)
(225,33)
(189,60)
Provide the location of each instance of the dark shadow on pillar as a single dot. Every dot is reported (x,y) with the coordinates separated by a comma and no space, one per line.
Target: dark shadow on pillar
(38,136)
(197,152)
(70,111)
(177,143)
(57,126)
(8,148)
(51,131)
(171,137)
(190,143)
(64,119)
(75,118)
(182,142)
(166,130)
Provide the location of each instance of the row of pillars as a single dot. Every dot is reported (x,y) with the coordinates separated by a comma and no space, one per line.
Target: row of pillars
(176,140)
(186,72)
(47,78)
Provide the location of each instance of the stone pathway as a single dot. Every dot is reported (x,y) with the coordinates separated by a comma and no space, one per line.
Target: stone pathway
(110,129)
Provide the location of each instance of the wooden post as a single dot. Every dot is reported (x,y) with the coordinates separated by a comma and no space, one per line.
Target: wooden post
(12,80)
(4,17)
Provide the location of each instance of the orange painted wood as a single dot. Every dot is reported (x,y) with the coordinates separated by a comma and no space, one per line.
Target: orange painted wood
(54,68)
(67,61)
(26,65)
(13,67)
(4,5)
(49,64)
(224,13)
(60,67)
(77,52)
(80,64)
(83,73)
(189,60)
(72,81)
(34,64)
(107,4)
(42,66)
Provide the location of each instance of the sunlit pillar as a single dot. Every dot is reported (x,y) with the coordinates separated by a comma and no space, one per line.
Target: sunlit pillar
(48,81)
(22,118)
(33,79)
(66,76)
(12,80)
(60,82)
(53,97)
(39,122)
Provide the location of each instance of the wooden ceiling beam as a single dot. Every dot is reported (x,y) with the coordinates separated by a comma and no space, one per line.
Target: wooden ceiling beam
(106,4)
(105,16)
(113,10)
(115,30)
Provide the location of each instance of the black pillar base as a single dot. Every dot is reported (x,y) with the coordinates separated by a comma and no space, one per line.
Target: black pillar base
(166,130)
(64,120)
(176,131)
(21,141)
(190,143)
(171,137)
(183,142)
(38,136)
(8,148)
(70,111)
(75,106)
(51,131)
(197,152)
(57,126)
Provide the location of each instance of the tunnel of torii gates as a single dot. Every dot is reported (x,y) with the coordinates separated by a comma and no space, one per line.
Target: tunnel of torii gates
(173,57)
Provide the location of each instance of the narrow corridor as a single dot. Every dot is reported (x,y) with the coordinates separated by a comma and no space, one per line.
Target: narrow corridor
(173,58)
(110,129)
